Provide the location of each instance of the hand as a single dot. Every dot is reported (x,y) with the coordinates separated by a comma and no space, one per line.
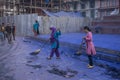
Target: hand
(83,43)
(58,29)
(84,37)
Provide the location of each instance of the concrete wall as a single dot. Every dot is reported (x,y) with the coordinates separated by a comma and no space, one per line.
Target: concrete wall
(24,23)
(66,24)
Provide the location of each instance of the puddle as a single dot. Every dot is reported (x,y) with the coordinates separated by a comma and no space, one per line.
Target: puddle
(68,74)
(113,73)
(53,66)
(29,61)
(31,72)
(5,72)
(34,66)
(8,78)
(34,53)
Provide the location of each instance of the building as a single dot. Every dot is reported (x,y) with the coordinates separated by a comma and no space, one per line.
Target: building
(88,8)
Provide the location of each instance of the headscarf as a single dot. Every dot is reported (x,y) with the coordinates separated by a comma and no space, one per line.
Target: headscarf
(53,29)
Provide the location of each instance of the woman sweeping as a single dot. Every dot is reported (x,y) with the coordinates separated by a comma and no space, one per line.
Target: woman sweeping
(90,49)
(54,42)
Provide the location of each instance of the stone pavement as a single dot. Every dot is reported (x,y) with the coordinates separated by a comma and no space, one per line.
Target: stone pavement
(20,65)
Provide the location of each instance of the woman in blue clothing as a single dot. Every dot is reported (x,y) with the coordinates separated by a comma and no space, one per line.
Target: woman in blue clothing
(36,28)
(54,40)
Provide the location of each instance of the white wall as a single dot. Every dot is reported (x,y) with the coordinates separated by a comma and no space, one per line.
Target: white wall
(24,23)
(66,24)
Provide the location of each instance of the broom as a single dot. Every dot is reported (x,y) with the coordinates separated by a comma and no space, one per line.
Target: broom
(38,50)
(79,52)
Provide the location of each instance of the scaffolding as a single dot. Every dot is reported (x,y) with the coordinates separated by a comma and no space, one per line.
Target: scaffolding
(16,7)
(86,7)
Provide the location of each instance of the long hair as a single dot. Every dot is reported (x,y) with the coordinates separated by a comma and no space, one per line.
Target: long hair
(87,28)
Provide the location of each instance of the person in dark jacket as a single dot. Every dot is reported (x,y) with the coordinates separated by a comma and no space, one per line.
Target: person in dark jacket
(13,31)
(9,31)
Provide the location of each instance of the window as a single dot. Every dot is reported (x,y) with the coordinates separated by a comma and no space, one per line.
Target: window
(84,14)
(83,6)
(92,13)
(75,5)
(92,3)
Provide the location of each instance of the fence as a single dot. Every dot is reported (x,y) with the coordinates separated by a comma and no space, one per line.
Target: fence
(24,23)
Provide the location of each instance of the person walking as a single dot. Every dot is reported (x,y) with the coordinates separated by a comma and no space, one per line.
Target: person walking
(9,31)
(37,27)
(90,49)
(13,30)
(54,40)
(3,30)
(1,34)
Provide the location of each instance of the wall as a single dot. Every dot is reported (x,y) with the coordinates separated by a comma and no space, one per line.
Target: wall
(24,23)
(66,24)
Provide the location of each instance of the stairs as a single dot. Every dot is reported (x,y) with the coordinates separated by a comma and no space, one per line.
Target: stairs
(109,25)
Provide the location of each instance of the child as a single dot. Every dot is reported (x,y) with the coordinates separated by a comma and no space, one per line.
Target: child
(90,49)
(54,42)
(36,28)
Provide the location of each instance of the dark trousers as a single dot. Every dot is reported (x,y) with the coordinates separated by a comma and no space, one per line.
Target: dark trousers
(55,50)
(4,35)
(9,37)
(38,31)
(13,35)
(1,36)
(90,60)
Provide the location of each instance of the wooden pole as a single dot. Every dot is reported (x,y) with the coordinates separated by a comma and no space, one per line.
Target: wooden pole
(31,7)
(23,6)
(41,7)
(60,5)
(119,6)
(35,6)
(51,5)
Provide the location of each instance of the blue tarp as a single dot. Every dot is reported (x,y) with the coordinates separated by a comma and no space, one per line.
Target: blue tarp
(47,1)
(62,13)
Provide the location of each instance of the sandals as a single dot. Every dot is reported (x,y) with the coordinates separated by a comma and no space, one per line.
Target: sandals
(49,58)
(57,57)
(90,67)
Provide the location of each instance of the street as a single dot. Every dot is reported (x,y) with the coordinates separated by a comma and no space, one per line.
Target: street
(17,63)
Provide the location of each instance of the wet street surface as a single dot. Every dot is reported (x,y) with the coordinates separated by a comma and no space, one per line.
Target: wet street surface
(16,63)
